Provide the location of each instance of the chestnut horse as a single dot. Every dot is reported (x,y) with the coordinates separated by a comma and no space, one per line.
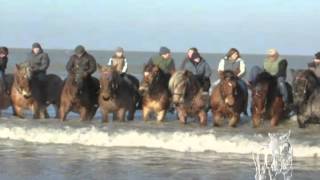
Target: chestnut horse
(155,92)
(188,96)
(228,100)
(5,100)
(79,94)
(117,95)
(29,93)
(267,102)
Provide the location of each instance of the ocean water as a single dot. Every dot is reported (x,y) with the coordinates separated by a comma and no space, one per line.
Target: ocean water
(137,150)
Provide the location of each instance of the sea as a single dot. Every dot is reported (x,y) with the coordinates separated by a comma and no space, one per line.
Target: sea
(137,150)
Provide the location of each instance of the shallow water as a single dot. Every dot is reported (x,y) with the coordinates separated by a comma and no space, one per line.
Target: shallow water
(49,149)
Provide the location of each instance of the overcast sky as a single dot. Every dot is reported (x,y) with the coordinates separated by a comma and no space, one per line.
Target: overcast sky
(252,26)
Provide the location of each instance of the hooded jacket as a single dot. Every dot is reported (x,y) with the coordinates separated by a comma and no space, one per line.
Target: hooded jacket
(40,62)
(86,62)
(202,68)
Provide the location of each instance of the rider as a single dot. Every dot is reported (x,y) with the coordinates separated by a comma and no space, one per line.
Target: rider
(233,61)
(188,57)
(38,61)
(277,66)
(164,61)
(3,65)
(315,65)
(86,62)
(198,66)
(119,61)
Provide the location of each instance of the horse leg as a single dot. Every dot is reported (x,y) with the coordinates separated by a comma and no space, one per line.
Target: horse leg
(19,111)
(277,111)
(256,120)
(217,119)
(105,115)
(121,114)
(36,111)
(203,118)
(182,115)
(84,114)
(145,113)
(234,120)
(63,111)
(160,115)
(131,112)
(301,120)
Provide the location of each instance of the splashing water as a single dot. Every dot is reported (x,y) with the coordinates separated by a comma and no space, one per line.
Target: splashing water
(275,159)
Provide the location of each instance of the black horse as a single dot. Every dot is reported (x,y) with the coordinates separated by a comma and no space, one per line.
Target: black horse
(306,92)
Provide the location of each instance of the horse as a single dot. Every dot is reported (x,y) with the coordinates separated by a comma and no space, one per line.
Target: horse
(155,92)
(5,99)
(188,96)
(79,94)
(25,93)
(53,87)
(117,95)
(306,90)
(267,101)
(228,100)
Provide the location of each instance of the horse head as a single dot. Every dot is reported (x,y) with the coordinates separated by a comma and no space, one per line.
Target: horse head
(180,84)
(78,76)
(228,87)
(304,82)
(22,76)
(151,76)
(109,81)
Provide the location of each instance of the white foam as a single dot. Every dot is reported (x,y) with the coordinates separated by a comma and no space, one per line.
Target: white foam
(177,141)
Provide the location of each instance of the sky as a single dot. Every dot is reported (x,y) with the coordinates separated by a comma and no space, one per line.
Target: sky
(214,26)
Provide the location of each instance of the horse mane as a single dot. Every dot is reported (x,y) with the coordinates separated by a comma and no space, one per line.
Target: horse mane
(182,75)
(311,77)
(266,78)
(229,74)
(162,80)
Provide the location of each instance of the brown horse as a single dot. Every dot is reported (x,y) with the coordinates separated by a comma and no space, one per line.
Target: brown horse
(117,95)
(228,100)
(79,94)
(25,93)
(267,101)
(155,92)
(5,100)
(188,96)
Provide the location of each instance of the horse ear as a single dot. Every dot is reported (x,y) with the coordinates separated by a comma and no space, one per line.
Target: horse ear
(18,66)
(187,73)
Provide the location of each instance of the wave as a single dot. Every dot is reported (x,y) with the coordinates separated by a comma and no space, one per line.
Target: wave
(176,141)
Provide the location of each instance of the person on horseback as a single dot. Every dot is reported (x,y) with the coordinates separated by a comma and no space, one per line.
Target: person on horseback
(188,57)
(277,66)
(38,61)
(199,67)
(164,61)
(233,61)
(315,65)
(118,61)
(3,66)
(86,63)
